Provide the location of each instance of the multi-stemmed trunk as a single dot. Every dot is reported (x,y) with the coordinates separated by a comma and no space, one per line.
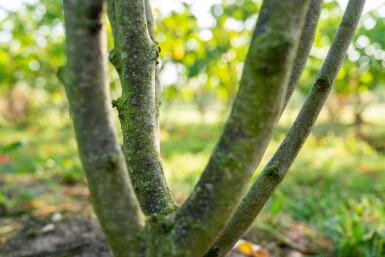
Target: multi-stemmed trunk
(129,192)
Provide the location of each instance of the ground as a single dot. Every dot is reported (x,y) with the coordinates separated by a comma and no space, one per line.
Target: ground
(75,236)
(331,203)
(81,236)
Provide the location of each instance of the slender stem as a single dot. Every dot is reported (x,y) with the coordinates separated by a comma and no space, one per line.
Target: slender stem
(158,86)
(114,56)
(255,112)
(276,169)
(84,76)
(150,19)
(136,107)
(305,45)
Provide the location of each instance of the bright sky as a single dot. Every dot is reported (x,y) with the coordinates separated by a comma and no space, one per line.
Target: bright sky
(200,7)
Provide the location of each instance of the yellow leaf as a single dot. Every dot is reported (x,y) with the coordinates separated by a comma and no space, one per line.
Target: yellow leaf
(245,248)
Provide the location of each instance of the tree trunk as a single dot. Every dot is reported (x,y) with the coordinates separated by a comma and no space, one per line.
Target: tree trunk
(129,192)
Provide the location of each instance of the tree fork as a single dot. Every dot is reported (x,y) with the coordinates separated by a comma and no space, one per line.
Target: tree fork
(201,226)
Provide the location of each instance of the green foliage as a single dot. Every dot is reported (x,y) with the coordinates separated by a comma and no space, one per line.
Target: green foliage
(208,58)
(205,59)
(360,80)
(33,47)
(11,147)
(339,194)
(31,50)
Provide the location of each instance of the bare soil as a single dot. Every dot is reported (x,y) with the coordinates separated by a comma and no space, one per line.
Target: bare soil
(71,237)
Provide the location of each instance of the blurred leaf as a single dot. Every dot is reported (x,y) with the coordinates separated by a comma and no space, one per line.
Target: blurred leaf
(11,147)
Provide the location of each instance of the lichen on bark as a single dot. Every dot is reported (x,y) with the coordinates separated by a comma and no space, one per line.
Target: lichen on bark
(137,107)
(205,224)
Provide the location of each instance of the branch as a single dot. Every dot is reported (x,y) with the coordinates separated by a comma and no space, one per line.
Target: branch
(136,107)
(114,56)
(150,19)
(276,169)
(255,112)
(113,197)
(158,86)
(305,45)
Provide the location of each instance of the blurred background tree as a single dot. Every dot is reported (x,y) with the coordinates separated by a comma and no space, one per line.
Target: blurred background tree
(31,49)
(203,44)
(201,60)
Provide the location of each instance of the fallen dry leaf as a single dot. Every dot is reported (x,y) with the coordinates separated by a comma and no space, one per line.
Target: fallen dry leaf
(245,248)
(249,249)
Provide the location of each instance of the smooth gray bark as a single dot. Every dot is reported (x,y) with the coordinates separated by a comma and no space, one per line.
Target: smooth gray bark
(158,86)
(84,76)
(305,45)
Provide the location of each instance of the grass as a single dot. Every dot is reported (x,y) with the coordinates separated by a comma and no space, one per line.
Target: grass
(336,187)
(330,204)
